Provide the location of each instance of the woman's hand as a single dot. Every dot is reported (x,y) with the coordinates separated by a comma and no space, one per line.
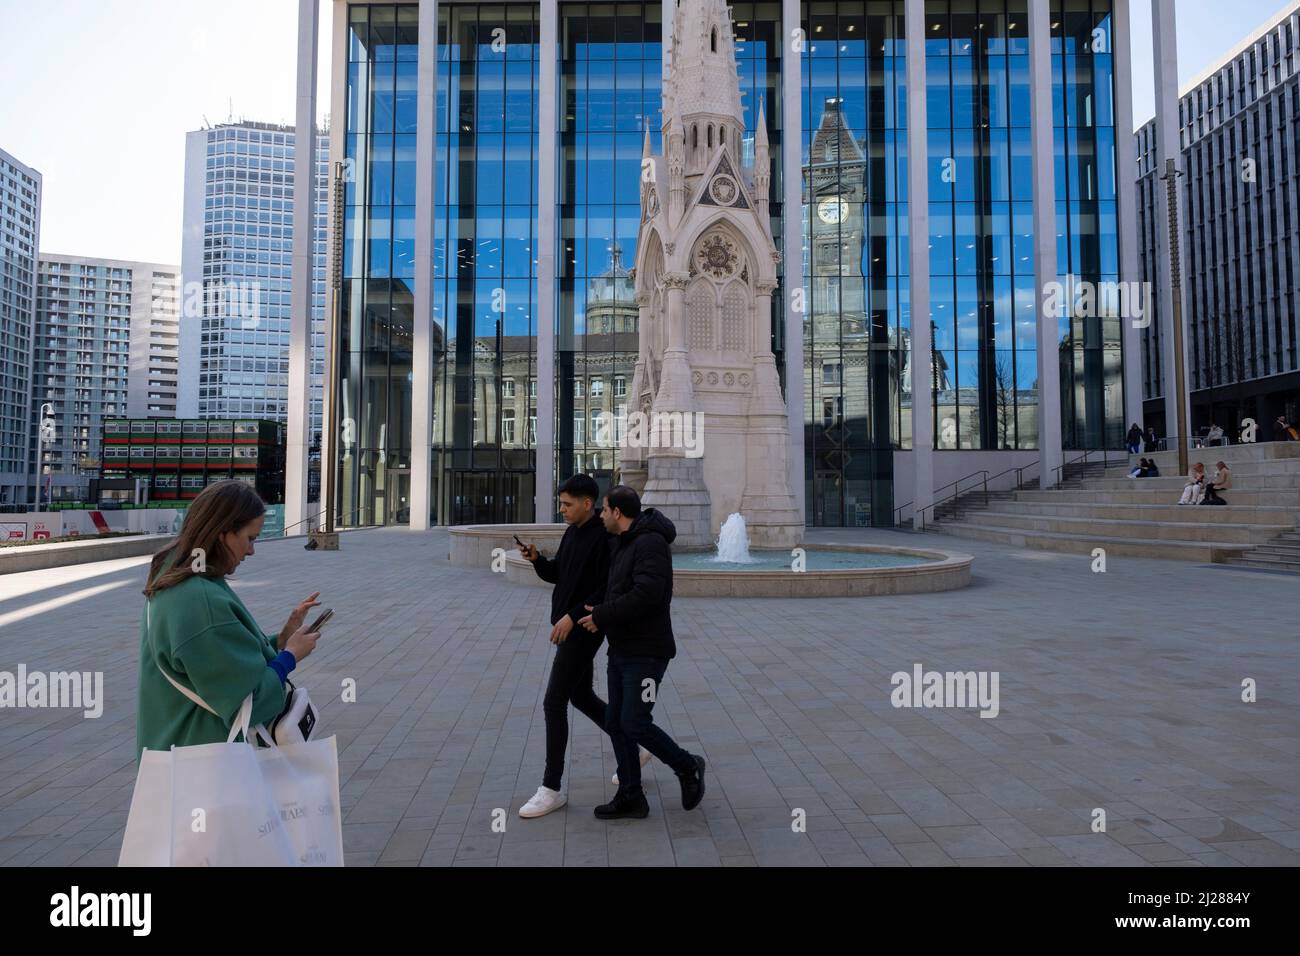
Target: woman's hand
(295,621)
(301,643)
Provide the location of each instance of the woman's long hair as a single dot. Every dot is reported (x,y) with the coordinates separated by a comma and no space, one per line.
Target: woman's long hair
(222,507)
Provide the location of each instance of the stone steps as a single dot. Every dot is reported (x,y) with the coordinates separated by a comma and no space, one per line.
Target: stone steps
(1137,495)
(1163,511)
(1100,506)
(1272,558)
(1242,470)
(1267,482)
(1184,550)
(1232,454)
(1224,533)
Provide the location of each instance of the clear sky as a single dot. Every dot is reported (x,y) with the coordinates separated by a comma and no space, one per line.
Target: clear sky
(98,96)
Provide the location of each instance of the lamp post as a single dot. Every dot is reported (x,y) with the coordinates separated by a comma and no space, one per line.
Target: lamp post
(1170,177)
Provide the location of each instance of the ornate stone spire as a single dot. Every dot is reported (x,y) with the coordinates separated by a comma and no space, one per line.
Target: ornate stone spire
(762,164)
(704,91)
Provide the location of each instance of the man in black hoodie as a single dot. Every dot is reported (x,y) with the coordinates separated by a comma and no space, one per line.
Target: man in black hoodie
(579,572)
(635,616)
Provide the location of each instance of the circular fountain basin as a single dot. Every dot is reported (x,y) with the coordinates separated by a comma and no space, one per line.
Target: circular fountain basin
(831,570)
(472,545)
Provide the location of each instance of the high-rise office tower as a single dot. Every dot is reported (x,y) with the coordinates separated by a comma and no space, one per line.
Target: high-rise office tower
(236,257)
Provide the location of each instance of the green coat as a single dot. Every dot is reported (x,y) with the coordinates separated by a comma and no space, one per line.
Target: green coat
(202,633)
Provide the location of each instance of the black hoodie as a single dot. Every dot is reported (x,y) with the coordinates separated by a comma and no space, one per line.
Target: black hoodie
(634,614)
(579,569)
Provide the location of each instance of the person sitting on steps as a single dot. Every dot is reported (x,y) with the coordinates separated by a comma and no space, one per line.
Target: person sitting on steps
(1222,480)
(1194,490)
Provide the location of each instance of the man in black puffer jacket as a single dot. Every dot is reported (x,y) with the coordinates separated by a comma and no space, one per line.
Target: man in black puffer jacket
(579,572)
(635,618)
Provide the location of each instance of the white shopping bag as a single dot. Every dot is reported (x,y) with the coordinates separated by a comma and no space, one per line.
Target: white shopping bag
(233,804)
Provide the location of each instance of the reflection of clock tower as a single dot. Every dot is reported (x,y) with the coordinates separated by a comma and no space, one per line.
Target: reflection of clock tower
(835,179)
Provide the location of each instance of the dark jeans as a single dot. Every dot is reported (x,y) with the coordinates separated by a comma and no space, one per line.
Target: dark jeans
(629,723)
(571,680)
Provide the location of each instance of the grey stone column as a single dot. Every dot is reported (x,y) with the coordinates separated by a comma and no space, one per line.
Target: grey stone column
(918,246)
(1042,137)
(425,216)
(300,295)
(547,147)
(792,246)
(1130,270)
(329,428)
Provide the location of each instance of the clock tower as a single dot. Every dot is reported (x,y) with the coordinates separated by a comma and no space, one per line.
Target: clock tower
(836,177)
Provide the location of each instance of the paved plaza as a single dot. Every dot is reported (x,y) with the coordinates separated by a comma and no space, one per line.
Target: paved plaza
(1120,691)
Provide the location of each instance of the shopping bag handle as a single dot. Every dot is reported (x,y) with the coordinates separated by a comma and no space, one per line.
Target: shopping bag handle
(240,724)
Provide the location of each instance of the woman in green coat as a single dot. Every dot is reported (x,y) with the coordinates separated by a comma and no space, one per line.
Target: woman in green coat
(197,634)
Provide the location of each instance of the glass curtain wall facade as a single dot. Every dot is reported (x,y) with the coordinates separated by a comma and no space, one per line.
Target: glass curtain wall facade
(485,263)
(374,371)
(857,383)
(857,365)
(611,63)
(979,175)
(1083,117)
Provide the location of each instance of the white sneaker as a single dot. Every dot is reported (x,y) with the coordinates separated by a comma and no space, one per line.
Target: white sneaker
(543,802)
(645,759)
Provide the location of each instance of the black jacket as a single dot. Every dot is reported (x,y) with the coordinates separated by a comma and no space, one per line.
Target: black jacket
(579,569)
(634,614)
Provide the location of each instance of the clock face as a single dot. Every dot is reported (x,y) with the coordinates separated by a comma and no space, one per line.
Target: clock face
(833,209)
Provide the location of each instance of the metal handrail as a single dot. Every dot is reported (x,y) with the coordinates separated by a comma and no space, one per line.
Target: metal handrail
(956,485)
(1105,461)
(1020,474)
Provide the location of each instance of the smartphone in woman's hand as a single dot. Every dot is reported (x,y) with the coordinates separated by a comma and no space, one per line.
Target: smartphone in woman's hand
(320,621)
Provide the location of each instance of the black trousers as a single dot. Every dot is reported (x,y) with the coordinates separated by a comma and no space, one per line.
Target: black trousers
(634,684)
(572,677)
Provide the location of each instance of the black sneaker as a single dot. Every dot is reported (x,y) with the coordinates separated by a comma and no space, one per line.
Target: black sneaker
(693,784)
(636,807)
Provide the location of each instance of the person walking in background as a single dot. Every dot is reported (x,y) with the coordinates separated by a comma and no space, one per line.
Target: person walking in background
(196,636)
(1214,436)
(1194,490)
(1152,442)
(579,572)
(1222,481)
(1134,439)
(636,618)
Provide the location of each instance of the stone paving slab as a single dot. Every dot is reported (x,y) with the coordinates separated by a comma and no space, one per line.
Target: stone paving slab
(1119,691)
